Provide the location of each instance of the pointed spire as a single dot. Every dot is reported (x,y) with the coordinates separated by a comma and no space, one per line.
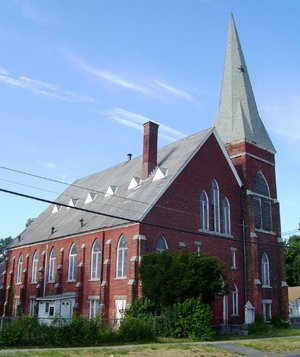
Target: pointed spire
(238,118)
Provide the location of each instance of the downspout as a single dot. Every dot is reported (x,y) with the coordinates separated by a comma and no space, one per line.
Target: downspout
(245,263)
(102,257)
(45,272)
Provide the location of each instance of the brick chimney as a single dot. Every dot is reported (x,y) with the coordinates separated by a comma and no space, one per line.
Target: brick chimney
(149,149)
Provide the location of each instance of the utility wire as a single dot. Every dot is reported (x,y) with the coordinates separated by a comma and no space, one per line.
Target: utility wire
(98,191)
(125,219)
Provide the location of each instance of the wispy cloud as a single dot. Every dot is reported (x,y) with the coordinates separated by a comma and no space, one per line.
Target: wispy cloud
(30,11)
(136,121)
(43,88)
(175,91)
(3,71)
(106,75)
(287,107)
(146,86)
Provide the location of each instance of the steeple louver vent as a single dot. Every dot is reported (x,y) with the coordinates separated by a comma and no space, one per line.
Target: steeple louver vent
(135,182)
(160,174)
(90,197)
(111,191)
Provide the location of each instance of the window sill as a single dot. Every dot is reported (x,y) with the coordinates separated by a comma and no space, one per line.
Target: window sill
(234,269)
(71,281)
(266,286)
(234,315)
(33,282)
(264,231)
(121,278)
(219,234)
(50,281)
(94,279)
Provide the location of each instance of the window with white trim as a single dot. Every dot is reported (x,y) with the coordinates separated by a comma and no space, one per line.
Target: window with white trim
(215,206)
(96,259)
(72,263)
(52,265)
(267,310)
(226,216)
(34,270)
(122,254)
(204,215)
(233,258)
(234,300)
(161,244)
(20,269)
(32,304)
(94,306)
(265,271)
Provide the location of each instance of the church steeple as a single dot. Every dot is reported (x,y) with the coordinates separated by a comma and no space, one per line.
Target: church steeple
(238,118)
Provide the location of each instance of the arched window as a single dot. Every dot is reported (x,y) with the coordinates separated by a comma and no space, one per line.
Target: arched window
(20,269)
(215,207)
(265,270)
(234,300)
(34,271)
(262,207)
(226,216)
(72,263)
(95,261)
(204,211)
(52,265)
(122,253)
(161,244)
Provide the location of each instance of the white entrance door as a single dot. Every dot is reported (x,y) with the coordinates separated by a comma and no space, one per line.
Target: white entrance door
(120,306)
(66,309)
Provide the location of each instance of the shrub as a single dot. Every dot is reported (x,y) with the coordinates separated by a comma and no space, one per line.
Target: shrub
(141,308)
(24,331)
(259,326)
(136,329)
(192,318)
(280,323)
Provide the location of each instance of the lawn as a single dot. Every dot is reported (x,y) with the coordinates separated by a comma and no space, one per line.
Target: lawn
(274,345)
(151,350)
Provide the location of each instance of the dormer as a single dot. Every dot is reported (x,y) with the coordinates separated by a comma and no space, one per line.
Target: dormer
(160,174)
(72,203)
(111,191)
(56,208)
(90,197)
(135,182)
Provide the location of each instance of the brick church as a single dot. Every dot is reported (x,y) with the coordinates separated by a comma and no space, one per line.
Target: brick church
(212,192)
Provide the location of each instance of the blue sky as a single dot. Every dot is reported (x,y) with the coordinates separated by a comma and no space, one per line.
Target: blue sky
(78,79)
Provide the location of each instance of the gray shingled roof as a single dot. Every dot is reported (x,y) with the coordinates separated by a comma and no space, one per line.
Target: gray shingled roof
(238,117)
(131,204)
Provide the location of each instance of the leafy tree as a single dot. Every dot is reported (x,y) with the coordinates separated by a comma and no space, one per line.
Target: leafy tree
(4,242)
(292,260)
(171,277)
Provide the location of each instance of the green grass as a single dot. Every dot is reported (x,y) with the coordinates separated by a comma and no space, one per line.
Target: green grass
(274,345)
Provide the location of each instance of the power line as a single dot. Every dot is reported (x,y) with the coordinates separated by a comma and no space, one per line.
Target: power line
(101,192)
(125,219)
(98,191)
